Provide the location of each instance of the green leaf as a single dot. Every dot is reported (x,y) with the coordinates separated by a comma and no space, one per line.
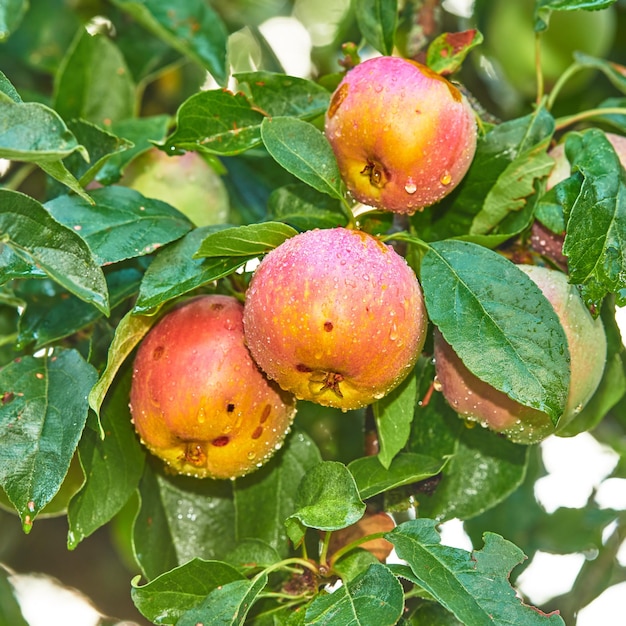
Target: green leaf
(278,94)
(181,518)
(122,224)
(129,332)
(447,52)
(14,265)
(30,131)
(377,21)
(394,414)
(483,470)
(613,71)
(304,208)
(476,297)
(42,416)
(192,27)
(328,499)
(11,14)
(217,122)
(10,611)
(374,598)
(26,226)
(596,228)
(102,146)
(303,151)
(474,586)
(49,317)
(245,241)
(544,8)
(141,133)
(93,82)
(58,171)
(266,498)
(513,188)
(227,604)
(7,88)
(252,554)
(168,597)
(112,466)
(174,272)
(373,478)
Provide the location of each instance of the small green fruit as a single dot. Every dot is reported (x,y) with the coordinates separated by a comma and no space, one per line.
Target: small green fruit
(198,400)
(336,317)
(184,181)
(478,401)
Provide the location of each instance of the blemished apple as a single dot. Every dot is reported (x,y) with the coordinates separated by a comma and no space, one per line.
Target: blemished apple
(336,317)
(478,401)
(184,181)
(404,136)
(198,401)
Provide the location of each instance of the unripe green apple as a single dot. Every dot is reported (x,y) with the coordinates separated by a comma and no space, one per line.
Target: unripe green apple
(403,135)
(184,181)
(478,401)
(198,400)
(510,41)
(335,316)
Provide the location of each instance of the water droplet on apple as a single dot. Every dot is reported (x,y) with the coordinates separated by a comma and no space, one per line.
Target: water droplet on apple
(410,186)
(446,178)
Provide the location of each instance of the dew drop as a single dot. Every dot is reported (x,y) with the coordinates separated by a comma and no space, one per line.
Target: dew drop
(410,186)
(437,386)
(446,178)
(251,455)
(378,88)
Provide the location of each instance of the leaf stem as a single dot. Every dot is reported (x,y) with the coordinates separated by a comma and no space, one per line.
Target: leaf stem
(325,544)
(568,120)
(563,78)
(356,543)
(538,72)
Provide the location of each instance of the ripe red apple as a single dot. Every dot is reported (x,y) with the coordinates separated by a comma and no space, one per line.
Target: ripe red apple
(336,317)
(184,181)
(403,136)
(478,401)
(198,400)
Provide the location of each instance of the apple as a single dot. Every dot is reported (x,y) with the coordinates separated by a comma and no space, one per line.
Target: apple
(510,42)
(198,401)
(478,401)
(335,316)
(186,182)
(403,135)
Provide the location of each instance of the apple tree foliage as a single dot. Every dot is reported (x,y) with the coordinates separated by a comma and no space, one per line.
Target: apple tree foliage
(86,269)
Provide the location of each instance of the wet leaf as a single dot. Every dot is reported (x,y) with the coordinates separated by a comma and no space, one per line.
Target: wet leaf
(26,226)
(328,499)
(476,297)
(374,598)
(473,586)
(42,416)
(169,596)
(303,151)
(122,224)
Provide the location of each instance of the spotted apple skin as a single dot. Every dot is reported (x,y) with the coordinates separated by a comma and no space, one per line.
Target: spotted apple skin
(198,401)
(404,137)
(336,317)
(478,401)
